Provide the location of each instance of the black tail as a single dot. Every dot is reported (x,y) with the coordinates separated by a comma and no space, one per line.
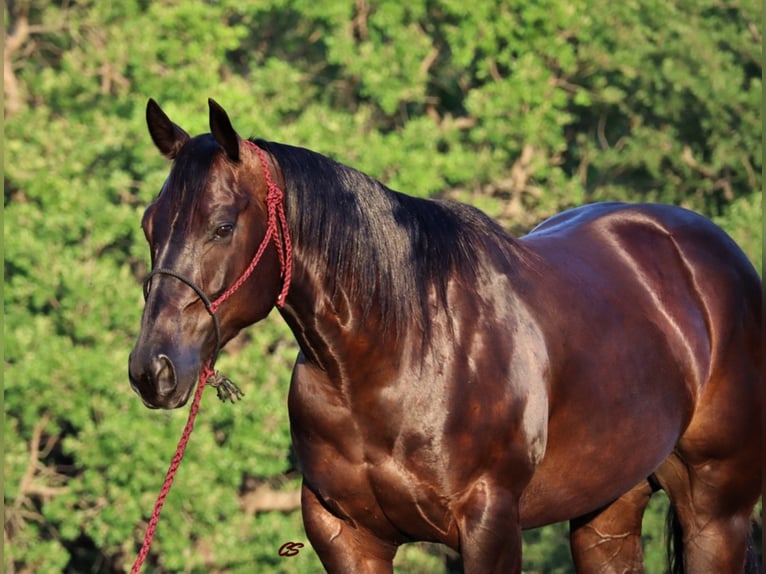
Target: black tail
(752,564)
(675,547)
(675,542)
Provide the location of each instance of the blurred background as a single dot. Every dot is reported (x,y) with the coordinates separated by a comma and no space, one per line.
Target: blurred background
(520,108)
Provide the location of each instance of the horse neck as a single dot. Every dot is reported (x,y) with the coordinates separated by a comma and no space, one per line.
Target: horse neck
(369,263)
(326,320)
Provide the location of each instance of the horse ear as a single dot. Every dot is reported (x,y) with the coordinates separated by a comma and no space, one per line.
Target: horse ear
(222,131)
(167,136)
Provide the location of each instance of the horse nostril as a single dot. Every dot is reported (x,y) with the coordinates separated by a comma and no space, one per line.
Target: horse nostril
(164,374)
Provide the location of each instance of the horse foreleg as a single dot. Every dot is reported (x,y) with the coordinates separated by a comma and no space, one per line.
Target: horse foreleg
(341,547)
(490,531)
(609,540)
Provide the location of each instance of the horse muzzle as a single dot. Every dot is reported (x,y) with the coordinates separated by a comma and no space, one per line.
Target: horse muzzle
(159,381)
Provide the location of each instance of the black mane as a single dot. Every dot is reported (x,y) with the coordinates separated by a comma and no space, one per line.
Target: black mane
(385,246)
(188,176)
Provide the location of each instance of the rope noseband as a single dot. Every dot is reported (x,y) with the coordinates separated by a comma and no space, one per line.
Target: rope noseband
(277,232)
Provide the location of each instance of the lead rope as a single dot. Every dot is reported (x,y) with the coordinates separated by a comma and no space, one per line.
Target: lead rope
(277,232)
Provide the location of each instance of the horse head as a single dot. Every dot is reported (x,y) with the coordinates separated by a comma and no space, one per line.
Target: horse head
(210,217)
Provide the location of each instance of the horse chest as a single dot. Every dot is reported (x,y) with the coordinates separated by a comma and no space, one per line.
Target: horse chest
(378,471)
(387,496)
(399,468)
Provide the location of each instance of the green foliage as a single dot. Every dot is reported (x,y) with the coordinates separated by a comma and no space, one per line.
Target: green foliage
(546,550)
(523,109)
(743,219)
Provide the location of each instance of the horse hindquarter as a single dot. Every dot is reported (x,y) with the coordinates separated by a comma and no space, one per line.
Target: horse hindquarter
(713,477)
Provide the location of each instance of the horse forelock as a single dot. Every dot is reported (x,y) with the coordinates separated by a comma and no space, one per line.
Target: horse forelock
(186,184)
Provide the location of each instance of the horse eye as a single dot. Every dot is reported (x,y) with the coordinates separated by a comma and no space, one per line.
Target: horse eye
(223,231)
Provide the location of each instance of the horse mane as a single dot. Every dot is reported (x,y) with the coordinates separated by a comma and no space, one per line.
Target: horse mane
(386,248)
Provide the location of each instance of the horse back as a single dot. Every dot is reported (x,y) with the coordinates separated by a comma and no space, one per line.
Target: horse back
(670,264)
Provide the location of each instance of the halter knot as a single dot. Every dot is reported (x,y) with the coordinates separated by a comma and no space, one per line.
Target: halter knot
(226,389)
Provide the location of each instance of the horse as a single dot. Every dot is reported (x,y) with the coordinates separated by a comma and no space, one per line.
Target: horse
(455,384)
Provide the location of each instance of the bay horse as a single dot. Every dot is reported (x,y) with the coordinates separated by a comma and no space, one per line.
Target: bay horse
(455,384)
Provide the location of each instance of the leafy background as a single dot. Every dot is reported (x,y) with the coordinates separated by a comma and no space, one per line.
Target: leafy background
(522,109)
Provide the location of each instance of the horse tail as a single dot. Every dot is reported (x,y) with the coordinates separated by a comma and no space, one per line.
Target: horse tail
(752,565)
(675,542)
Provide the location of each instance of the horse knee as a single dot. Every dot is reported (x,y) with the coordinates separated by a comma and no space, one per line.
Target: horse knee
(340,546)
(490,531)
(609,539)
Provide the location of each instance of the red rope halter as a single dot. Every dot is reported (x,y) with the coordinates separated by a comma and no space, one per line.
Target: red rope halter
(277,232)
